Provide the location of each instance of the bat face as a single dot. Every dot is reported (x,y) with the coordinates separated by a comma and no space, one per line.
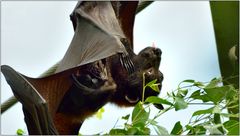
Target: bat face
(149,59)
(130,87)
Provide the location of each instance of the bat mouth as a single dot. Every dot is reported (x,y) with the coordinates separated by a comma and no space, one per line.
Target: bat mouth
(131,100)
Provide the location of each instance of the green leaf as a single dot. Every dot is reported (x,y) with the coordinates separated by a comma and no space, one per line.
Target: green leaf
(152,122)
(214,82)
(182,93)
(139,115)
(216,94)
(143,131)
(126,117)
(132,131)
(160,130)
(173,94)
(217,120)
(199,112)
(196,130)
(197,95)
(216,109)
(188,81)
(199,84)
(232,126)
(20,132)
(232,92)
(213,129)
(117,132)
(177,129)
(180,104)
(230,115)
(99,113)
(157,100)
(153,85)
(159,106)
(188,127)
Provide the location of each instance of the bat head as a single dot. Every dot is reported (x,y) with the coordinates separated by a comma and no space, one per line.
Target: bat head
(146,64)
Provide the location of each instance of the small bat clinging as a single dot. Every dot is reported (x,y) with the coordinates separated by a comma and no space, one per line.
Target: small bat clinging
(98,67)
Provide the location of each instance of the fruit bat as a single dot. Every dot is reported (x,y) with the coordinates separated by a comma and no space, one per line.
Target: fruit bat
(98,67)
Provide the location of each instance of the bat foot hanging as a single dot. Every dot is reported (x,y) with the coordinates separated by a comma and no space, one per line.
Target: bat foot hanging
(127,63)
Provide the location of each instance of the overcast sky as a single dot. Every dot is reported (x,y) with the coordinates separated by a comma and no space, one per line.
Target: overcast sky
(35,35)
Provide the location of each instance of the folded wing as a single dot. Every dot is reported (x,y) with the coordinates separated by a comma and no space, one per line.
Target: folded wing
(97,35)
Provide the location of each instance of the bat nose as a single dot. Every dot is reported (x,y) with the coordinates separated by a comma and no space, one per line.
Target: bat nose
(158,51)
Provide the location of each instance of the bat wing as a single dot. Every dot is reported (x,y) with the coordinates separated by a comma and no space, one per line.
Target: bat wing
(35,109)
(97,35)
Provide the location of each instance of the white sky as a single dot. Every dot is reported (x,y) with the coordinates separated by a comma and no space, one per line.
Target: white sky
(35,35)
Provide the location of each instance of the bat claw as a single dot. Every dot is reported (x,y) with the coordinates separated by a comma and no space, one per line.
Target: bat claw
(130,63)
(127,63)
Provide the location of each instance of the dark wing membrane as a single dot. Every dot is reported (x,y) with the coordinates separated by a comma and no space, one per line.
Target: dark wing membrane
(125,12)
(40,98)
(35,108)
(97,35)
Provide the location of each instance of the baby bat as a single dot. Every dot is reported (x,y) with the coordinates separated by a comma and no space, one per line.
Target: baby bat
(98,67)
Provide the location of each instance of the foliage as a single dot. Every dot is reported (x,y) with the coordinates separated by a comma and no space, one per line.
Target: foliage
(20,132)
(99,113)
(213,120)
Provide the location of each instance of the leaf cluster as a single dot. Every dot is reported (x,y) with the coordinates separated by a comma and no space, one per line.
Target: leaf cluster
(212,120)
